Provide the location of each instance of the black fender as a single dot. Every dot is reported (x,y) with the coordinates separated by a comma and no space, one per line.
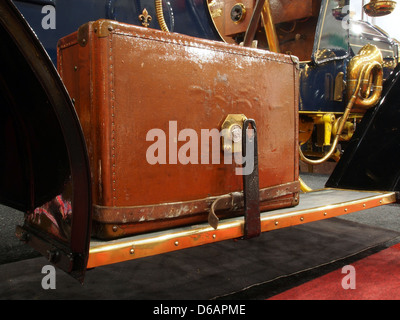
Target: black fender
(44,163)
(371,161)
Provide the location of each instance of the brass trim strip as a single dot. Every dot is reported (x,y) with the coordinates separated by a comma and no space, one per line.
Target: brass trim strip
(209,4)
(108,252)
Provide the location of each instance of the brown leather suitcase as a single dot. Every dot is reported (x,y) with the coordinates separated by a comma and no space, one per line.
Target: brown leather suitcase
(145,98)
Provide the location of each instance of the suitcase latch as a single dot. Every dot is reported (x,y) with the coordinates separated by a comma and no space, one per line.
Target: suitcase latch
(231,131)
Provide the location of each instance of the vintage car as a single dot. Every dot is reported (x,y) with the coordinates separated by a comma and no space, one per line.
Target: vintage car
(50,169)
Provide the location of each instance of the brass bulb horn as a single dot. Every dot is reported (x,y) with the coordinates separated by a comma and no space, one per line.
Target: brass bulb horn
(364,86)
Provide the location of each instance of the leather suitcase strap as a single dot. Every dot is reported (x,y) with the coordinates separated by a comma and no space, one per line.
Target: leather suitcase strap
(228,202)
(251,195)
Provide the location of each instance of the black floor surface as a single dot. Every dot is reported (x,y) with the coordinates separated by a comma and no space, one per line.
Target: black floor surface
(249,270)
(222,270)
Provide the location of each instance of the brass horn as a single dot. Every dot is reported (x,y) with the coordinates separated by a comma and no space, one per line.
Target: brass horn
(364,88)
(367,68)
(376,8)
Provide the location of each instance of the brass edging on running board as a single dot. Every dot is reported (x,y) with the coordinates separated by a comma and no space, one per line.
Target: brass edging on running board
(108,252)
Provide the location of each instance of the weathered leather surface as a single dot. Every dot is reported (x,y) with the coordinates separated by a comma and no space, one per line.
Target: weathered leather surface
(127,80)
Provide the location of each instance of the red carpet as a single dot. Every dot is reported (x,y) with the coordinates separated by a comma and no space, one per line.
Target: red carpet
(377,277)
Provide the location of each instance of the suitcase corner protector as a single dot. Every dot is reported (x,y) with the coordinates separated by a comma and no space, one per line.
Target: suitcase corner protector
(102,28)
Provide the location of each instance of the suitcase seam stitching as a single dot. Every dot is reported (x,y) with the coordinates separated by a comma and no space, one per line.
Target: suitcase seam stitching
(233,50)
(113,155)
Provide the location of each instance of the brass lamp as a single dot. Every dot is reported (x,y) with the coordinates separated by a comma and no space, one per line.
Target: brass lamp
(376,8)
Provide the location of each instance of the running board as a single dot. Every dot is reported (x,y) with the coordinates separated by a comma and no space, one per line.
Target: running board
(314,206)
